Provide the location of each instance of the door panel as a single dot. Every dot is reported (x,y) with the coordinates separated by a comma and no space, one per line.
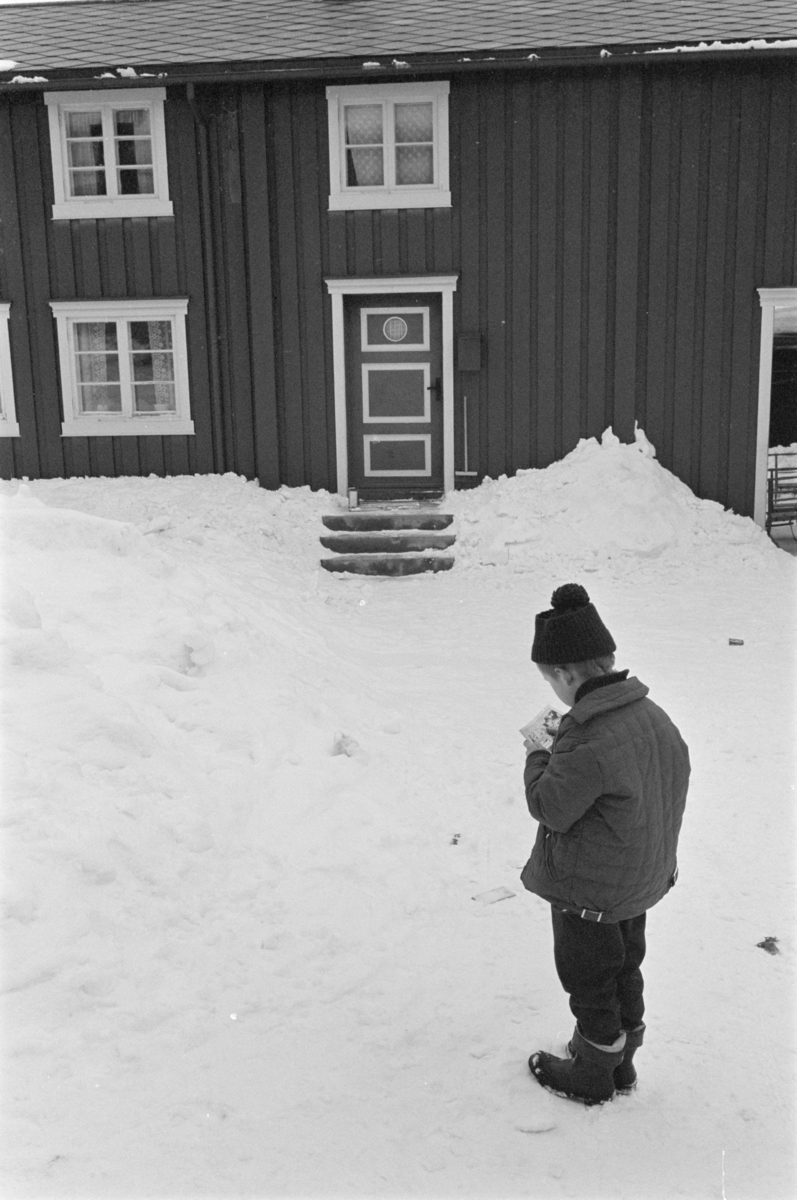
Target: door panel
(396,392)
(393,394)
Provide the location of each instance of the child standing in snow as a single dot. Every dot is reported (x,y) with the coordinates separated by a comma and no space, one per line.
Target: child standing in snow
(609,797)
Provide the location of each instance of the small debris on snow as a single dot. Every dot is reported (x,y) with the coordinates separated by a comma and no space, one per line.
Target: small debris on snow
(735,641)
(642,444)
(494,895)
(536,1125)
(343,744)
(157,525)
(770,944)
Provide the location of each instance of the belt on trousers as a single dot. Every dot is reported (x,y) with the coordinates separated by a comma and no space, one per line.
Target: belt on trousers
(586,914)
(591,914)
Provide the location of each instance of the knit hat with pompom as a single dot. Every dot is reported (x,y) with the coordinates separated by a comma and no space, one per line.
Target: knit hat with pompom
(571,630)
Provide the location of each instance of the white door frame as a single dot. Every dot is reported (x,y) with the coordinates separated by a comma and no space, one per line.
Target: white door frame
(395,285)
(770,298)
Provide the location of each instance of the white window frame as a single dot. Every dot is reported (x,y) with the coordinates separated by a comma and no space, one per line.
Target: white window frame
(77,424)
(8,413)
(390,195)
(770,299)
(68,207)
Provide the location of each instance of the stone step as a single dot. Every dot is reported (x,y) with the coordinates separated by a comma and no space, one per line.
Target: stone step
(387,519)
(388,564)
(387,541)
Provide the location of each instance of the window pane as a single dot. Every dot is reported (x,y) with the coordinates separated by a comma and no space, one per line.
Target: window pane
(86,154)
(152,366)
(87,183)
(150,335)
(147,367)
(414,164)
(154,397)
(131,153)
(100,398)
(95,335)
(365,168)
(98,368)
(84,148)
(84,124)
(363,124)
(414,123)
(132,122)
(136,183)
(97,361)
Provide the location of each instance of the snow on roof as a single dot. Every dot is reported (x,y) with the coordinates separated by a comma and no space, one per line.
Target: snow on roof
(101,33)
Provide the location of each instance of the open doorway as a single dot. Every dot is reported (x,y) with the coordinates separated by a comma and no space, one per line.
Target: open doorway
(776,460)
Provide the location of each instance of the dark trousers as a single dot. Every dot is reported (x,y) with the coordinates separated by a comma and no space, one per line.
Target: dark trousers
(598,966)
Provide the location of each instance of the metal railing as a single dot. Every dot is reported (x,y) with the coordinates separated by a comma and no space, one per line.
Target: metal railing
(781,489)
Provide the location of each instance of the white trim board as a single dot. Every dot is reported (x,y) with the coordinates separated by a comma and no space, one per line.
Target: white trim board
(8,415)
(395,285)
(770,299)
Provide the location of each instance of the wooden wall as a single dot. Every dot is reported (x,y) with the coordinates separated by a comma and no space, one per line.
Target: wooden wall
(609,228)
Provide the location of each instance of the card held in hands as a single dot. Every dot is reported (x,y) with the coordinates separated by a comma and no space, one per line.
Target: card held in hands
(541,730)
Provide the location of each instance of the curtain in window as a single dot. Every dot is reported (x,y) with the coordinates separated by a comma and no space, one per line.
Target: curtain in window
(365,165)
(414,143)
(133,139)
(152,366)
(85,154)
(97,362)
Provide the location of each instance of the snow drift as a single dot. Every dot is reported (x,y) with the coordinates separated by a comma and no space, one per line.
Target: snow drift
(248,806)
(603,501)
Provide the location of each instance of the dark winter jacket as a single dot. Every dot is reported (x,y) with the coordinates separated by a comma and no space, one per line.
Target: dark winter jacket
(609,798)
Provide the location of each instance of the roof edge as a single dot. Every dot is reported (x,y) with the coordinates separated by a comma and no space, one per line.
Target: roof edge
(248,71)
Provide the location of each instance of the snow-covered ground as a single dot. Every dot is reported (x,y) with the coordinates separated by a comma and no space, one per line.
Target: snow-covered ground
(248,806)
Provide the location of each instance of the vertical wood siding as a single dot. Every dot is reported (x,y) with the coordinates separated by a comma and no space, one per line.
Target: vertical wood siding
(609,229)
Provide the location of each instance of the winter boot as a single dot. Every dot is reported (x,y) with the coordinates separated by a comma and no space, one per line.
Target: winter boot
(625,1074)
(588,1076)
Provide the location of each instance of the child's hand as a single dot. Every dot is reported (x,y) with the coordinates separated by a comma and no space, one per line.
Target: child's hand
(531,745)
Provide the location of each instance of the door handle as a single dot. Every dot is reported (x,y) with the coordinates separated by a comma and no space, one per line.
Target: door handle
(436,388)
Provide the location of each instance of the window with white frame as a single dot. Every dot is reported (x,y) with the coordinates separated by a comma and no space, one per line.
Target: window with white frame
(8,416)
(109,153)
(388,146)
(124,367)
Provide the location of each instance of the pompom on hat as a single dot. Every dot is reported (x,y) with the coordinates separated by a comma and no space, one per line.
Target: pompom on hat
(571,630)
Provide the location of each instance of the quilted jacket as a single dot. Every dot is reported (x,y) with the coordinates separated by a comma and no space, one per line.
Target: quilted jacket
(610,799)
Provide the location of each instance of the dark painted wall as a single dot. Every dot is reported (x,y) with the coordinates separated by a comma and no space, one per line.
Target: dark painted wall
(609,229)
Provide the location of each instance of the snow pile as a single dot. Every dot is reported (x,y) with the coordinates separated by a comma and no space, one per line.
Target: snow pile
(223,513)
(603,502)
(750,44)
(254,812)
